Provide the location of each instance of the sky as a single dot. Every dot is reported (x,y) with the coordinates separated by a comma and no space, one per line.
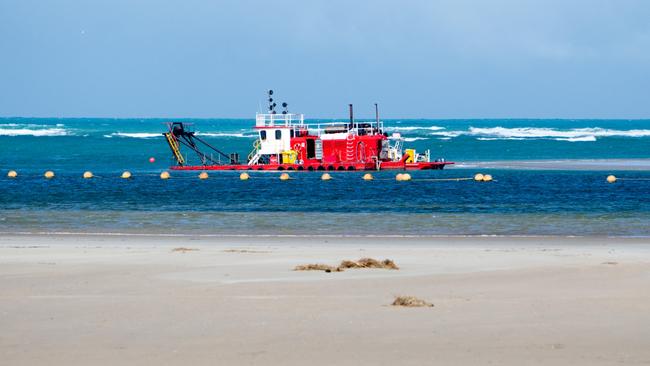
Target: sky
(417,59)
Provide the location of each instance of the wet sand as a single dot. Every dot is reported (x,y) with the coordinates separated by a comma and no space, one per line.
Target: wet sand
(106,300)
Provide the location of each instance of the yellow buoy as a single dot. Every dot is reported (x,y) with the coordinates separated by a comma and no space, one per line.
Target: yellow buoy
(406,177)
(88,175)
(368,176)
(244,176)
(479,177)
(611,179)
(284,176)
(164,175)
(487,178)
(49,174)
(126,175)
(326,176)
(399,177)
(203,175)
(12,174)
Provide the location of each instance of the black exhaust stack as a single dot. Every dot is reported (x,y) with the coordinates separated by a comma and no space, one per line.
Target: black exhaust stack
(377,116)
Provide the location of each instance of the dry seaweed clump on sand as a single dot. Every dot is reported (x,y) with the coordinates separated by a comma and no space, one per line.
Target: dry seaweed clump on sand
(183,250)
(317,267)
(346,264)
(410,302)
(369,263)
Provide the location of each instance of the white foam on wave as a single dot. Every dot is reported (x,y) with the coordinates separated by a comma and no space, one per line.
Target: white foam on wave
(136,135)
(33,132)
(413,128)
(411,139)
(148,135)
(223,134)
(447,133)
(499,138)
(578,139)
(576,134)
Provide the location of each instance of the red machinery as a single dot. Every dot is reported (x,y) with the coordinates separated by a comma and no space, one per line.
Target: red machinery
(285,142)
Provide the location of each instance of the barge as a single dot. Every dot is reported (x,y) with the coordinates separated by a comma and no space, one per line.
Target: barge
(285,142)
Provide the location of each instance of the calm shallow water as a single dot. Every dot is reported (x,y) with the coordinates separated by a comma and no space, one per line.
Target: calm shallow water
(517,203)
(520,202)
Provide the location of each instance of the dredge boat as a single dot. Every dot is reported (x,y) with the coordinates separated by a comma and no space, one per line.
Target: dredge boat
(285,142)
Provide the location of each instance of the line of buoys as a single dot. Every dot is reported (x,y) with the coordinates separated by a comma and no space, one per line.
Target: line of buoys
(126,175)
(483,177)
(164,175)
(12,174)
(403,177)
(326,176)
(203,175)
(49,174)
(244,176)
(367,176)
(284,176)
(443,179)
(87,175)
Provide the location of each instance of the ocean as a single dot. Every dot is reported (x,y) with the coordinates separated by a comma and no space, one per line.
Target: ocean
(556,200)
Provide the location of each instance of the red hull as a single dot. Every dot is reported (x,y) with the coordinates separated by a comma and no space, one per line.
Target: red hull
(396,165)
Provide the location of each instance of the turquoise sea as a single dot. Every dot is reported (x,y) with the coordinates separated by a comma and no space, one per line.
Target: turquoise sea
(557,201)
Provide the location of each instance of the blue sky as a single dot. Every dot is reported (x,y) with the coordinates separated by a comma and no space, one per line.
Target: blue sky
(418,59)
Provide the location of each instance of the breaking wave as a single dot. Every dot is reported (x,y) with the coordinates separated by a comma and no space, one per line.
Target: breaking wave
(411,139)
(149,135)
(137,135)
(578,139)
(221,134)
(573,135)
(413,128)
(33,132)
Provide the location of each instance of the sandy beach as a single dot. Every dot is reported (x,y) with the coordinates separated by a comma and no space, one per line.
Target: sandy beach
(106,300)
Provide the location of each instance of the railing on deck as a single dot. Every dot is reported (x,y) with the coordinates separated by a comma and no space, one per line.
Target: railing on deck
(298,120)
(279,120)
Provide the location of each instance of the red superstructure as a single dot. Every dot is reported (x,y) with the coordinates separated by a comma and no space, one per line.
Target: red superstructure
(285,142)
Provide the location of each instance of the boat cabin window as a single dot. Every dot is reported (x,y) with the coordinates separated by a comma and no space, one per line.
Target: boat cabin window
(278,134)
(291,134)
(262,135)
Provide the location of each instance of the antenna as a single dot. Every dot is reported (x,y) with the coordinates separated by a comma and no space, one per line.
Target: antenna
(271,104)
